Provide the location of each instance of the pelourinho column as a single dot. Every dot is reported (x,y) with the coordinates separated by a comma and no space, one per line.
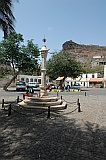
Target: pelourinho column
(43,52)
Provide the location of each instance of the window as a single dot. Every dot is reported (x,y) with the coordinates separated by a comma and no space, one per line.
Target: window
(31,80)
(22,79)
(27,80)
(92,75)
(35,80)
(39,80)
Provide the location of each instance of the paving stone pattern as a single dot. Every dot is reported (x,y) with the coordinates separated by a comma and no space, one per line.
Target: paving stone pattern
(66,135)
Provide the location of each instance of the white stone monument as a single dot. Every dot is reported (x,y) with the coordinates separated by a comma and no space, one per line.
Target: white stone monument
(43,53)
(43,101)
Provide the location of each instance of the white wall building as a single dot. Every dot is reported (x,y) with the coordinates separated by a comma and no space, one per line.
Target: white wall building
(83,80)
(91,75)
(29,78)
(104,76)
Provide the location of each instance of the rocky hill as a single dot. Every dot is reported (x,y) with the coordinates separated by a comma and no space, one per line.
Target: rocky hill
(84,53)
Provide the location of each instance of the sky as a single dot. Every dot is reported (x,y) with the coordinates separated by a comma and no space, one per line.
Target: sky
(82,21)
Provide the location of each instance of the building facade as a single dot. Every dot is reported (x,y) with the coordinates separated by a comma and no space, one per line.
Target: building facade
(86,80)
(29,78)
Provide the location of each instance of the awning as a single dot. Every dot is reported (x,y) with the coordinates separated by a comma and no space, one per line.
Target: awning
(68,79)
(73,79)
(96,80)
(84,80)
(59,78)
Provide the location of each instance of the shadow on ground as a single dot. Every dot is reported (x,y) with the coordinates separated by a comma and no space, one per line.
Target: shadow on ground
(29,135)
(14,90)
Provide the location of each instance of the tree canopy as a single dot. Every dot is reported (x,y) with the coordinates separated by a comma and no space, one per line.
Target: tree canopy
(14,53)
(18,56)
(63,65)
(7,18)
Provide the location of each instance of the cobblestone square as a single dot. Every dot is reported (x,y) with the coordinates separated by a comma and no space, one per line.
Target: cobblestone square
(66,135)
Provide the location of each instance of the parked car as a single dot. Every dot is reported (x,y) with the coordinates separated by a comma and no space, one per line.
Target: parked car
(33,85)
(76,86)
(20,85)
(50,86)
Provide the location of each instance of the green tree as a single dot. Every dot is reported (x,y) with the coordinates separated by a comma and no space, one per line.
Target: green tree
(28,59)
(7,18)
(10,49)
(20,57)
(63,65)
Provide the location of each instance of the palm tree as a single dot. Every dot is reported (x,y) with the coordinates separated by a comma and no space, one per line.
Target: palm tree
(6,16)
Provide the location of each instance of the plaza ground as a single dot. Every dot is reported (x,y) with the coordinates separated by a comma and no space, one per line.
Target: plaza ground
(66,135)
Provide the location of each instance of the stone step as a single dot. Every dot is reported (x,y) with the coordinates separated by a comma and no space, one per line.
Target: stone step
(43,104)
(56,107)
(59,107)
(45,99)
